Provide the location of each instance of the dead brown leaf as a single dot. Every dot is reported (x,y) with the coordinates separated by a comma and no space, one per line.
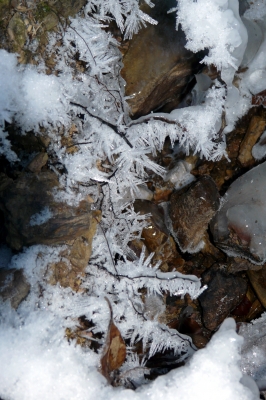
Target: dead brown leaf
(114,352)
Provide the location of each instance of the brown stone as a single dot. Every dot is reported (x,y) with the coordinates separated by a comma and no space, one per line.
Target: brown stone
(163,246)
(255,129)
(30,195)
(256,308)
(237,264)
(162,194)
(223,294)
(191,211)
(73,226)
(137,246)
(69,273)
(156,237)
(157,214)
(38,162)
(13,286)
(258,281)
(200,341)
(157,67)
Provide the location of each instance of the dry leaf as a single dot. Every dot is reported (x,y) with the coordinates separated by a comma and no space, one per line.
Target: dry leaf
(22,8)
(114,352)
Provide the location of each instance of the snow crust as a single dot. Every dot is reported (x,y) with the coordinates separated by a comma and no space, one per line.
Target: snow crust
(32,98)
(39,363)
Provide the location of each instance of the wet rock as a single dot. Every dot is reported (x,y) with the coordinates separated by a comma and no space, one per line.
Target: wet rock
(156,237)
(258,281)
(190,324)
(162,193)
(157,67)
(157,214)
(68,272)
(223,294)
(246,313)
(239,227)
(183,314)
(32,216)
(255,311)
(255,129)
(13,286)
(137,247)
(191,211)
(238,264)
(38,162)
(243,308)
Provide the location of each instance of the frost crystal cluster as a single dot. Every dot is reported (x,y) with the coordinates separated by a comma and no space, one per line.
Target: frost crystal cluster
(111,161)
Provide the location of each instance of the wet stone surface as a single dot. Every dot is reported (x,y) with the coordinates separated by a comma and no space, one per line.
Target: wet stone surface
(224,293)
(157,67)
(157,238)
(258,281)
(33,216)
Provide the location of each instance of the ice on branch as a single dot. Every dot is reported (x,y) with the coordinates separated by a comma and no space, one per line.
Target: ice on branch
(123,283)
(196,128)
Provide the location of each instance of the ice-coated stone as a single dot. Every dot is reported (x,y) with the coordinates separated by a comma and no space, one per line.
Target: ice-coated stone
(239,228)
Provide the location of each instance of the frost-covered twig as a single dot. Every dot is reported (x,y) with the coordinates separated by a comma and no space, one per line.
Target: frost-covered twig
(109,124)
